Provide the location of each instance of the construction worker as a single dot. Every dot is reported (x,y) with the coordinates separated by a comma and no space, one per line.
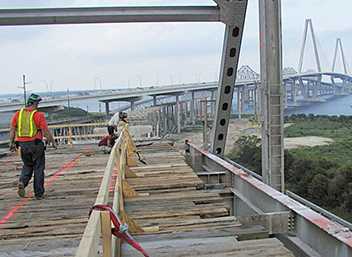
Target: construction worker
(123,122)
(119,119)
(115,126)
(28,126)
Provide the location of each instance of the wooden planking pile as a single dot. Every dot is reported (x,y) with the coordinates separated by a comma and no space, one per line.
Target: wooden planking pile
(53,226)
(190,221)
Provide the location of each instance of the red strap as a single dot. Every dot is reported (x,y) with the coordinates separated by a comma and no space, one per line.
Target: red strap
(116,231)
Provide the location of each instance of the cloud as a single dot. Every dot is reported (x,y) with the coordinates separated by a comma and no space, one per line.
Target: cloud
(74,55)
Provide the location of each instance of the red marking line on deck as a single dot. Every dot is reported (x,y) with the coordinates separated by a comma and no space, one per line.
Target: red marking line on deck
(48,183)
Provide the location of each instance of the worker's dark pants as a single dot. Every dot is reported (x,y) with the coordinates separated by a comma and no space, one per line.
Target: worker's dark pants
(33,157)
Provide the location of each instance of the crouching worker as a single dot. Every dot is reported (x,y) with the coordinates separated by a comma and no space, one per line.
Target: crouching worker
(28,127)
(116,124)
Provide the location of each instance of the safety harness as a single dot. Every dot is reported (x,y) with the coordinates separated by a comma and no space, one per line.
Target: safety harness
(120,230)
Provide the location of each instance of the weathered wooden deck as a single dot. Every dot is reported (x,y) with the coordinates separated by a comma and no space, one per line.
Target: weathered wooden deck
(186,219)
(53,226)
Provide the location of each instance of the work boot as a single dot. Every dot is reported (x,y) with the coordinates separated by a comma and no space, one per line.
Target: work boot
(39,197)
(20,190)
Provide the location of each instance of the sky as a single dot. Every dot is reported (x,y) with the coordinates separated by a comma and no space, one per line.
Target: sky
(129,55)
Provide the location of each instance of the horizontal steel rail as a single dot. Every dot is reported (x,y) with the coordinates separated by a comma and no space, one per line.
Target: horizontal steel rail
(322,211)
(298,198)
(47,16)
(323,235)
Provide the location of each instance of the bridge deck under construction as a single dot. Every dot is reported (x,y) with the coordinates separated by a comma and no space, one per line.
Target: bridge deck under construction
(180,217)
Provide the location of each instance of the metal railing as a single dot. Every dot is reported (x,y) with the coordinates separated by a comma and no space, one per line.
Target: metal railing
(298,198)
(312,225)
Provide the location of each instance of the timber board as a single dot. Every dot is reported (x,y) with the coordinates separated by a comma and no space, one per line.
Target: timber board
(194,221)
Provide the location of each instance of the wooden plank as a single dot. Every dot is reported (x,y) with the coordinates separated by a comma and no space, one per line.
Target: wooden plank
(106,233)
(89,243)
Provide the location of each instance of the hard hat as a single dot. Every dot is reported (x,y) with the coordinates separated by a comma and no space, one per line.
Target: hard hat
(33,98)
(122,115)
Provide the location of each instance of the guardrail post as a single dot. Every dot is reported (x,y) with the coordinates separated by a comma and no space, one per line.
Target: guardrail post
(106,233)
(70,136)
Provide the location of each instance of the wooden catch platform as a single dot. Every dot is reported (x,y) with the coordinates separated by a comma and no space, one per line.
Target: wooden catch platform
(178,217)
(52,226)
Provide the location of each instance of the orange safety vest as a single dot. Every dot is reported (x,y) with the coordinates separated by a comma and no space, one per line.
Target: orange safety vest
(25,125)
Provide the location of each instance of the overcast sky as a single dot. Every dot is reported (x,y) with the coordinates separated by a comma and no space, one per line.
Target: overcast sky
(121,55)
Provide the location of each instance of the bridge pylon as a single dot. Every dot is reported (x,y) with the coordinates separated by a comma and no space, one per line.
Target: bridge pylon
(309,25)
(337,48)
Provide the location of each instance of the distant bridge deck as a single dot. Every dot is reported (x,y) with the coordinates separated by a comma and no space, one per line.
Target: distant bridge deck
(135,93)
(191,221)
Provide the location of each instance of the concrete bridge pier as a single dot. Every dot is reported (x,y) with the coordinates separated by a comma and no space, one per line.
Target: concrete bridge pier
(213,99)
(239,102)
(306,90)
(107,109)
(256,104)
(165,121)
(243,102)
(178,114)
(315,89)
(158,124)
(154,100)
(192,107)
(133,105)
(259,102)
(346,87)
(293,92)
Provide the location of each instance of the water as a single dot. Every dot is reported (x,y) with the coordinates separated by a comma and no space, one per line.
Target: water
(341,105)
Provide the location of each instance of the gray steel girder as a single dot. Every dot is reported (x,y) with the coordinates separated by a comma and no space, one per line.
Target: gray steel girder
(228,71)
(46,16)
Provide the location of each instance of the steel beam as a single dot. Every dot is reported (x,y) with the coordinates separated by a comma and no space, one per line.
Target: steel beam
(272,94)
(322,235)
(228,72)
(46,16)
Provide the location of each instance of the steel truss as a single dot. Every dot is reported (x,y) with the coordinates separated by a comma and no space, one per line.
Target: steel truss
(230,12)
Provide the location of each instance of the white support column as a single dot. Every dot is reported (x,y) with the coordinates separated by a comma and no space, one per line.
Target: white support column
(272,98)
(165,117)
(178,114)
(239,102)
(243,99)
(193,112)
(107,109)
(133,106)
(309,25)
(255,99)
(339,46)
(234,13)
(212,97)
(293,92)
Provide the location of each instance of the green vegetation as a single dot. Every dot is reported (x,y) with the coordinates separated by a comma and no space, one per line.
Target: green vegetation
(73,113)
(321,174)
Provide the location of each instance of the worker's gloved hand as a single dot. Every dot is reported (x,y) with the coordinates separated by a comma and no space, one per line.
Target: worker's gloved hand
(12,147)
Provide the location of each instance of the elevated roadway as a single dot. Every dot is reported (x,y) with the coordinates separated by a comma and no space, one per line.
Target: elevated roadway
(137,93)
